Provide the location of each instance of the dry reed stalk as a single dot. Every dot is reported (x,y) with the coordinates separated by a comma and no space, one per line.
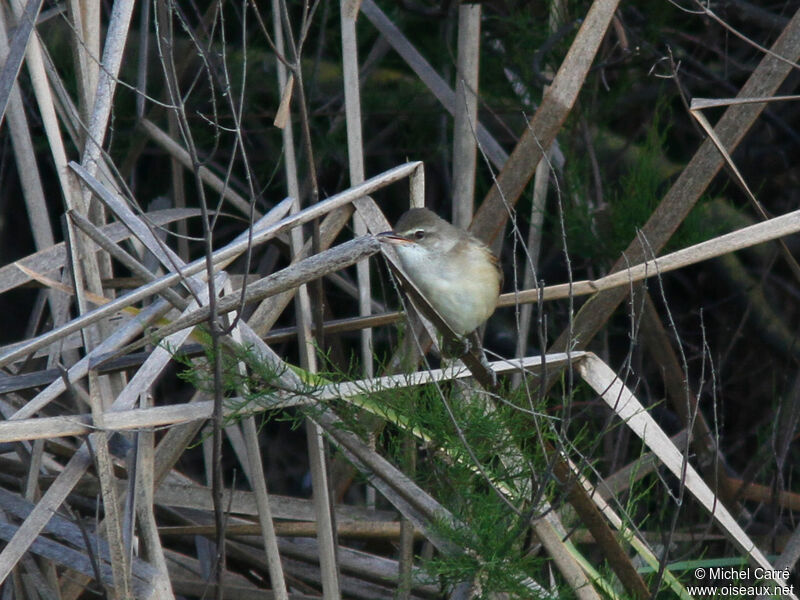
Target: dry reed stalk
(690,185)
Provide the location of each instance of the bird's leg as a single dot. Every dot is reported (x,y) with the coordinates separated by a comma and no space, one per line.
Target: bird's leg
(455,347)
(470,350)
(473,340)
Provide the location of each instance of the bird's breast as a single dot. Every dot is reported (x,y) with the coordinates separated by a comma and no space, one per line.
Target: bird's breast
(462,286)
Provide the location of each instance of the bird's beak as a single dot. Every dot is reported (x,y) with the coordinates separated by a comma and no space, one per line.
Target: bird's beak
(390,237)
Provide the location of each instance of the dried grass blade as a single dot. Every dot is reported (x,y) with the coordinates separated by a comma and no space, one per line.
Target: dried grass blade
(259,485)
(429,77)
(51,258)
(282,114)
(465,116)
(291,277)
(80,461)
(745,237)
(145,469)
(44,99)
(174,149)
(25,429)
(127,331)
(120,567)
(13,62)
(563,555)
(355,156)
(61,287)
(140,229)
(106,84)
(25,157)
(226,253)
(701,118)
(693,180)
(622,401)
(546,123)
(115,251)
(703,103)
(75,560)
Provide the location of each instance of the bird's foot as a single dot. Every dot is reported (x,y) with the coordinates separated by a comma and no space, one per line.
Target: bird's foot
(455,347)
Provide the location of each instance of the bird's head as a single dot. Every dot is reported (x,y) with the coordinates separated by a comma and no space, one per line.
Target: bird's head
(420,230)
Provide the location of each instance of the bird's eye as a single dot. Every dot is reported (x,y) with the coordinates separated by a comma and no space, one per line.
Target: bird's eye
(419,234)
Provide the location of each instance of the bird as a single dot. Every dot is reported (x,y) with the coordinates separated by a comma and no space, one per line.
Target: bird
(455,271)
